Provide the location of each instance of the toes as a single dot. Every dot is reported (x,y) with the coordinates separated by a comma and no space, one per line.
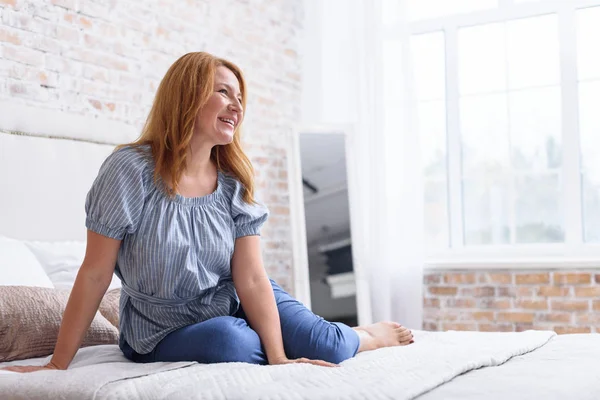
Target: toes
(407,340)
(402,330)
(404,336)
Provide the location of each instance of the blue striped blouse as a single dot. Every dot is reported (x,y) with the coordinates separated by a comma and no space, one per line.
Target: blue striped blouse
(174,259)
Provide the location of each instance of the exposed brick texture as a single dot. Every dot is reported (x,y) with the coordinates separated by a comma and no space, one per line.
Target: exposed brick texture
(512,301)
(106,57)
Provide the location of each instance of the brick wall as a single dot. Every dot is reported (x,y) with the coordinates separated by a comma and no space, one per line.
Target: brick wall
(563,301)
(106,57)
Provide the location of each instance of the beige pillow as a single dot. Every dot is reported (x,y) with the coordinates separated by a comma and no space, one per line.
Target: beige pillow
(30,318)
(109,307)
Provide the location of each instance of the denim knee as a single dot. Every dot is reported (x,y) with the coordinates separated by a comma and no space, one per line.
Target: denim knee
(234,341)
(217,340)
(338,343)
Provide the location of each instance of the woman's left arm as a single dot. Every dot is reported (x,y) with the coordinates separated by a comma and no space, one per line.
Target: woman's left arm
(258,301)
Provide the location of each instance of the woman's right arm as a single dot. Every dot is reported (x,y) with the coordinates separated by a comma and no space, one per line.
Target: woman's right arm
(91,284)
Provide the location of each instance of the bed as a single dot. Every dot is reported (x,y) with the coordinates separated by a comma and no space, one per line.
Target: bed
(48,160)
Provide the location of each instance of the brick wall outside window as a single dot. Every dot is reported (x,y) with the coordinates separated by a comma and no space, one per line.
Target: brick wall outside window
(564,301)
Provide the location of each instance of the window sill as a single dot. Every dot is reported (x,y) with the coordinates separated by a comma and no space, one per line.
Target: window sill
(517,258)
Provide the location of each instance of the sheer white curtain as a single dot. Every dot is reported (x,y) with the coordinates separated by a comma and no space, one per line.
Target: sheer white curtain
(386,176)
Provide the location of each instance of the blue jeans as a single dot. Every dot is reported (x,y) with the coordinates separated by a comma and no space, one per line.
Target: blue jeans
(230,338)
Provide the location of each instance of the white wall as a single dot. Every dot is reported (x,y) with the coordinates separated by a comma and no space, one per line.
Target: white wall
(330,63)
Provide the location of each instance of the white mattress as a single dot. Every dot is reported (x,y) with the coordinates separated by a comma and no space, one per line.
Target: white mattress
(446,365)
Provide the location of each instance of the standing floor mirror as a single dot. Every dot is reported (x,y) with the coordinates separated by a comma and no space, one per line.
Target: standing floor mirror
(324,182)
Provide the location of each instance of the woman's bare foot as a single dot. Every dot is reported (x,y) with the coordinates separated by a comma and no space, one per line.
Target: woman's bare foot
(383,334)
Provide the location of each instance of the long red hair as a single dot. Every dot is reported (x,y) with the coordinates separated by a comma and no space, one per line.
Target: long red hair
(183,91)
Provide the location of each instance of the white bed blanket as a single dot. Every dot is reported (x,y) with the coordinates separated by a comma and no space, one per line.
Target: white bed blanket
(392,373)
(568,367)
(92,368)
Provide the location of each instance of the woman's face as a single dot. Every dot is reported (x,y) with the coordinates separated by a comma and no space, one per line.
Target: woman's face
(222,114)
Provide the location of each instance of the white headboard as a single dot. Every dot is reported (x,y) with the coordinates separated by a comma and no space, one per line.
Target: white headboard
(48,161)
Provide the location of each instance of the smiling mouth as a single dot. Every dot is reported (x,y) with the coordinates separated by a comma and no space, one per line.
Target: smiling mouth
(228,121)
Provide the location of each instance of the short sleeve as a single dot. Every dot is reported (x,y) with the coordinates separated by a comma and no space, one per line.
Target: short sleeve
(248,218)
(115,201)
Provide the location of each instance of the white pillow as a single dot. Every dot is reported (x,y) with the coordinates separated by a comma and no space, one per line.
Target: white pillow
(61,261)
(19,267)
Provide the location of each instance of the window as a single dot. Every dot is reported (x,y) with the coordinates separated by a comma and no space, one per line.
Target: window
(512,87)
(588,63)
(510,119)
(429,67)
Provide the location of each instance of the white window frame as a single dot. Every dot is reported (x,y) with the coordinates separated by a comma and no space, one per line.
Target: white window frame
(573,253)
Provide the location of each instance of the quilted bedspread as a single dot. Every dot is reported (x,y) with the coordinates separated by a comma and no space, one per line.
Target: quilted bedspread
(391,373)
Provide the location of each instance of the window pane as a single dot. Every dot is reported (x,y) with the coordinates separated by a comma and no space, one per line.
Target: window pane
(484,134)
(481,59)
(532,49)
(425,9)
(538,209)
(432,132)
(589,128)
(535,128)
(588,42)
(436,214)
(591,208)
(486,210)
(429,66)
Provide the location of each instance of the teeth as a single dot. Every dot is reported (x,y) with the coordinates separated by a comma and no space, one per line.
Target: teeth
(227,120)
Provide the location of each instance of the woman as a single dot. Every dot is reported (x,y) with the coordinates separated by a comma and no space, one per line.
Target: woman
(173,215)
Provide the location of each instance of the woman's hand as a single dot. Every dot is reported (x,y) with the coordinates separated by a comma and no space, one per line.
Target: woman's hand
(31,368)
(320,363)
